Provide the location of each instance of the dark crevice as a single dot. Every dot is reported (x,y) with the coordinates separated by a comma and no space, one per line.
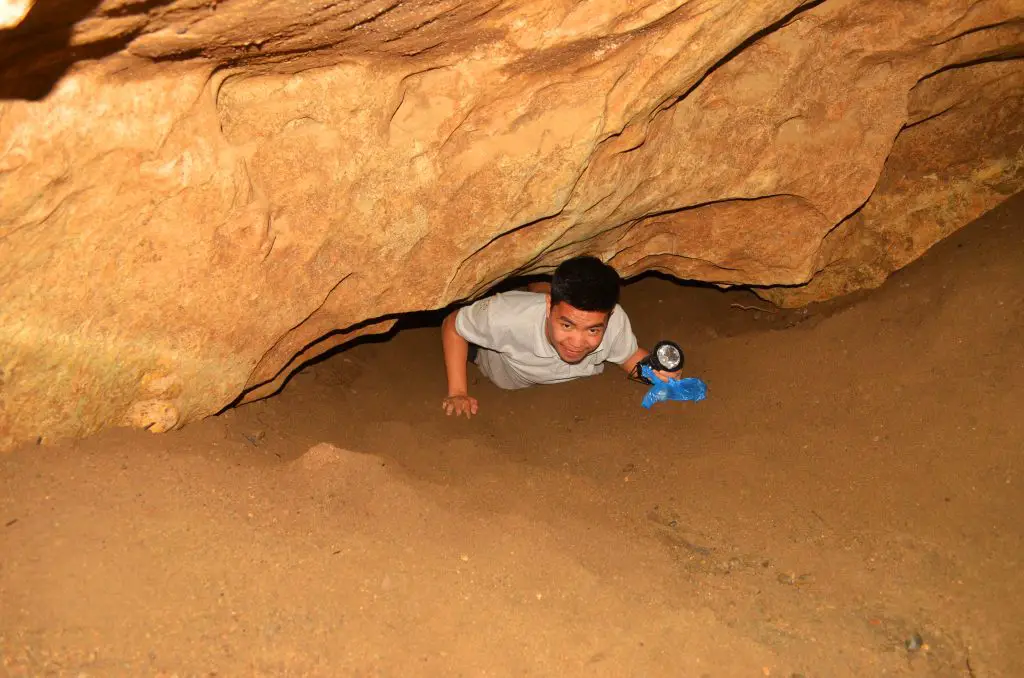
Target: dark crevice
(925,119)
(719,201)
(304,348)
(412,29)
(1016,54)
(422,50)
(373,17)
(977,29)
(404,321)
(856,210)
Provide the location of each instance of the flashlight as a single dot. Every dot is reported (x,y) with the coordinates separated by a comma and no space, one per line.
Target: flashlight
(667,356)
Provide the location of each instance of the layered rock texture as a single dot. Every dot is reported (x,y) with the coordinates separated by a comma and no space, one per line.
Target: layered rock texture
(197,196)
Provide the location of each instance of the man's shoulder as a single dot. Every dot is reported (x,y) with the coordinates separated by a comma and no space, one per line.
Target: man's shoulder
(502,313)
(522,297)
(618,318)
(513,302)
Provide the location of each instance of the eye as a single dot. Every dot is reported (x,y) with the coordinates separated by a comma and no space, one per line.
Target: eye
(566,326)
(596,330)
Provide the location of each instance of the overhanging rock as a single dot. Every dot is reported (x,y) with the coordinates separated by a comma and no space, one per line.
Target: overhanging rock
(219,193)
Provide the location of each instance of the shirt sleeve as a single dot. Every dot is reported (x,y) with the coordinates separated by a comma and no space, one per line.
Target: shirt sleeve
(620,341)
(474,323)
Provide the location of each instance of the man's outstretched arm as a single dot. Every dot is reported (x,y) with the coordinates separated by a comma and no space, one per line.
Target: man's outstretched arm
(632,360)
(456,355)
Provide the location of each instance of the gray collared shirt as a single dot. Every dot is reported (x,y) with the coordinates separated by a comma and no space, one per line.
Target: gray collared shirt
(515,351)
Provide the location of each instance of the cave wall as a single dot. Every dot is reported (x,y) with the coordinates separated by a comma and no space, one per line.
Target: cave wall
(197,197)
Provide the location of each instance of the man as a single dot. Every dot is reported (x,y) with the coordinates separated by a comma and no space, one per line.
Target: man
(546,335)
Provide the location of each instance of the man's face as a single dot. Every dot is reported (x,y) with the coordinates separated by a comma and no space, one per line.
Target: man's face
(575,334)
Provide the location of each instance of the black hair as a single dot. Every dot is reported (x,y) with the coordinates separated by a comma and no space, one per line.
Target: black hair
(586,283)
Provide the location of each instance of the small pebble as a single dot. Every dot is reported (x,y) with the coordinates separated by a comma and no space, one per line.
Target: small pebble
(914,642)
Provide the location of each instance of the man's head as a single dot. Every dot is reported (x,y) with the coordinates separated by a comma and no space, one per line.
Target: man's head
(584,292)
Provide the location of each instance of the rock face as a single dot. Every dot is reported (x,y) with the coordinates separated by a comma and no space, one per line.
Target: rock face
(198,197)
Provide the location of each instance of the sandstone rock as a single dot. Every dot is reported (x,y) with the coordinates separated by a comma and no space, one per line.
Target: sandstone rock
(960,154)
(155,416)
(195,199)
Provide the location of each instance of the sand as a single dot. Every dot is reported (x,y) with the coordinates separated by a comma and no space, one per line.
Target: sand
(847,502)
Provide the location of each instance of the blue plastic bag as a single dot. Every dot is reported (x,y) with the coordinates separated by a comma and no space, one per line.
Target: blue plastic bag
(689,389)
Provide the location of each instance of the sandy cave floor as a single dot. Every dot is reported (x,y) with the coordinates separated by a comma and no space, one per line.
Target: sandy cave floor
(855,478)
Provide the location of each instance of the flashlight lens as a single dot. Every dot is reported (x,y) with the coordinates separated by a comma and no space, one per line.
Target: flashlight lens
(668,356)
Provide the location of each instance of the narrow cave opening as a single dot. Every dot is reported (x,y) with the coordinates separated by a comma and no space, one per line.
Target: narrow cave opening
(659,306)
(733,340)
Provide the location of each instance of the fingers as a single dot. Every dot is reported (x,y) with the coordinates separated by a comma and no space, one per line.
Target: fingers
(460,405)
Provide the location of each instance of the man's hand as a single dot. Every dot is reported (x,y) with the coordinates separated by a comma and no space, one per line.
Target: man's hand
(668,376)
(640,355)
(460,404)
